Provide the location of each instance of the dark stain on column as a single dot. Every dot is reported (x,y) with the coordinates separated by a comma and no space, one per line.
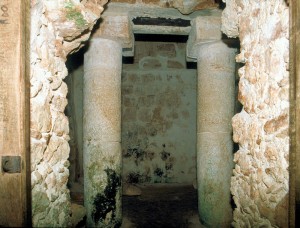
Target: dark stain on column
(106,202)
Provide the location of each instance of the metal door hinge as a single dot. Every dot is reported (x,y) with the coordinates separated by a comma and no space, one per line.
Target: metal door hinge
(11,164)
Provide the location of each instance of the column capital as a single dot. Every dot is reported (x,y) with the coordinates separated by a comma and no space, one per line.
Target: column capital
(117,28)
(205,29)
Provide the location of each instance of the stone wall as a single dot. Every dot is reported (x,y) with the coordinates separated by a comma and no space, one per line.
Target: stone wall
(261,178)
(184,6)
(159,115)
(57,28)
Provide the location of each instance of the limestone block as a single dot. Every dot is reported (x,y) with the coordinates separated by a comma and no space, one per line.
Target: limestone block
(61,125)
(117,28)
(205,29)
(127,90)
(184,6)
(131,190)
(41,120)
(175,64)
(166,50)
(129,114)
(230,18)
(78,213)
(148,77)
(128,101)
(59,103)
(39,148)
(134,78)
(150,63)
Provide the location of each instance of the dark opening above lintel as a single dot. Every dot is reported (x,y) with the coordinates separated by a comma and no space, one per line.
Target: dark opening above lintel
(160,21)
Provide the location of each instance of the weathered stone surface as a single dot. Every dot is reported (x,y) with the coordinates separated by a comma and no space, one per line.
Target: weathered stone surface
(131,190)
(102,133)
(166,50)
(78,213)
(204,29)
(150,63)
(216,68)
(102,91)
(184,6)
(214,163)
(118,28)
(56,28)
(175,64)
(159,116)
(260,182)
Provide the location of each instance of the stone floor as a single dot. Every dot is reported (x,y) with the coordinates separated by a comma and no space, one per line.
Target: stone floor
(160,206)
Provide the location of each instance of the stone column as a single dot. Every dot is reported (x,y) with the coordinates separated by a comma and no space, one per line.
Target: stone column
(102,133)
(216,83)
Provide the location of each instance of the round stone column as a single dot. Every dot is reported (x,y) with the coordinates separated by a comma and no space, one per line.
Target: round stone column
(216,83)
(102,133)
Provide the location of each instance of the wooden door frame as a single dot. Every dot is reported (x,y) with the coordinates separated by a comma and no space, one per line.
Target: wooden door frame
(294,155)
(15,112)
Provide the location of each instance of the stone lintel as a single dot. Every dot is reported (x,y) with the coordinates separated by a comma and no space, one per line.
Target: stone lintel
(205,29)
(119,29)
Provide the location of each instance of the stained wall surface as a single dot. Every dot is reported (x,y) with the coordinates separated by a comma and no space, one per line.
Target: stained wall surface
(261,178)
(159,115)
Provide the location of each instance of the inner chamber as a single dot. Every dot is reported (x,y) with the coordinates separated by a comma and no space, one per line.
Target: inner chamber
(159,92)
(159,112)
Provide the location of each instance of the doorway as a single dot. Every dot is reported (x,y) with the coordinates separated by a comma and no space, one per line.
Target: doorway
(159,96)
(159,100)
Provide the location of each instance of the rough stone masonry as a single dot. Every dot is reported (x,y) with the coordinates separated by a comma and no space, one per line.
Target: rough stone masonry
(261,178)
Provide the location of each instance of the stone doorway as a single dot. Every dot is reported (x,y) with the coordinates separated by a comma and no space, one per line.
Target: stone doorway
(102,120)
(159,112)
(159,91)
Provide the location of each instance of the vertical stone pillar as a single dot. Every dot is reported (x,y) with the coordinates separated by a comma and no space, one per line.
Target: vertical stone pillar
(102,133)
(216,83)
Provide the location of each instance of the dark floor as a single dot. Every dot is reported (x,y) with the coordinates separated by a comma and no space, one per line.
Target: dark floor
(162,205)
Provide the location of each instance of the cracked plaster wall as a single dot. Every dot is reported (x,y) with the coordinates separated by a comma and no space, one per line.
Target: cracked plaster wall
(260,182)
